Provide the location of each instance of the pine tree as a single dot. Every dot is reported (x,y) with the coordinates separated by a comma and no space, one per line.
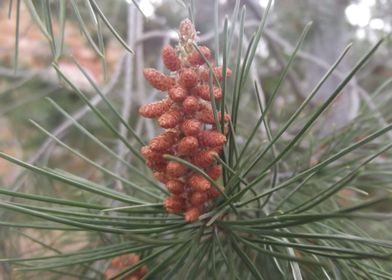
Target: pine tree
(222,189)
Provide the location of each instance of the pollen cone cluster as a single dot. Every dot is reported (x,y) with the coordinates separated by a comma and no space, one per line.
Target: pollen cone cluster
(187,118)
(121,262)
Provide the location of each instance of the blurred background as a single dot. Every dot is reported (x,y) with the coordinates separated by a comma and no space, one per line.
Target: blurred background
(27,78)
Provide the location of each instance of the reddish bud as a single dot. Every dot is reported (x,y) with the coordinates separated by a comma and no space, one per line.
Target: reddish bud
(163,142)
(204,73)
(133,259)
(191,104)
(203,91)
(192,214)
(196,59)
(188,78)
(217,149)
(157,79)
(191,127)
(176,169)
(161,177)
(204,159)
(198,183)
(214,172)
(174,204)
(170,58)
(156,165)
(218,71)
(211,138)
(186,30)
(150,154)
(147,152)
(198,198)
(125,260)
(178,94)
(110,272)
(155,109)
(213,193)
(175,186)
(217,93)
(116,262)
(187,145)
(141,271)
(206,115)
(170,119)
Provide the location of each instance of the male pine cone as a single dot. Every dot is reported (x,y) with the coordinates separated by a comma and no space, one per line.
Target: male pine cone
(190,134)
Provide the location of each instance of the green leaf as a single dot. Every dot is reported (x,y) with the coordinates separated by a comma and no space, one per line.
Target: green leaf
(107,149)
(37,19)
(108,25)
(166,262)
(74,181)
(99,114)
(48,199)
(98,166)
(324,163)
(84,29)
(62,18)
(322,108)
(247,261)
(49,26)
(110,105)
(133,268)
(16,53)
(274,93)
